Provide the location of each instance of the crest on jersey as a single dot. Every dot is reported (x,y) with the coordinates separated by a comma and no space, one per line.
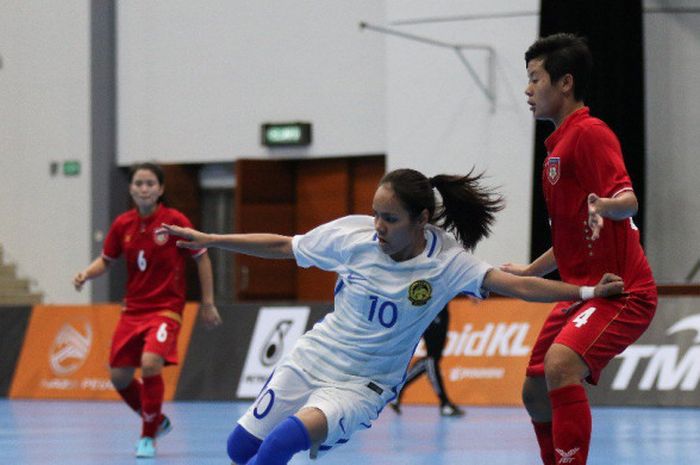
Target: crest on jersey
(420,292)
(553,169)
(160,237)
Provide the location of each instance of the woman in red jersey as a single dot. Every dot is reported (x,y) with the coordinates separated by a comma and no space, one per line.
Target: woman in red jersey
(591,202)
(147,333)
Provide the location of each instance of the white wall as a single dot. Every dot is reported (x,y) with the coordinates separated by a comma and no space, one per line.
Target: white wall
(44,117)
(195,83)
(672,62)
(196,80)
(412,101)
(439,121)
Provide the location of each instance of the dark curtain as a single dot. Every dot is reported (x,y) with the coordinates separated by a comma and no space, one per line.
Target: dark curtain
(616,94)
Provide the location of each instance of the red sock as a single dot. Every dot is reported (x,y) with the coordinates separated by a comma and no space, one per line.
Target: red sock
(571,424)
(132,394)
(543,431)
(151,403)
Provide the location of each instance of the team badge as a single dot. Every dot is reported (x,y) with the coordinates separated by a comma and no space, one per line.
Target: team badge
(160,237)
(420,292)
(553,169)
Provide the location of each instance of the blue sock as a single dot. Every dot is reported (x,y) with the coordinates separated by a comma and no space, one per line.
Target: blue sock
(242,445)
(288,438)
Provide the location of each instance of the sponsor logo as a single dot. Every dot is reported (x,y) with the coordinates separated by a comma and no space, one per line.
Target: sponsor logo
(567,456)
(420,292)
(276,331)
(667,368)
(273,348)
(70,349)
(493,340)
(460,373)
(553,169)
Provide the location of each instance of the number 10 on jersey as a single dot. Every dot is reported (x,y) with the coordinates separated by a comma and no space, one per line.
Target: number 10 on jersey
(385,311)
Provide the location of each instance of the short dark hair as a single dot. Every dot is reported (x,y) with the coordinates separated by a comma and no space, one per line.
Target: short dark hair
(564,54)
(152,167)
(467,208)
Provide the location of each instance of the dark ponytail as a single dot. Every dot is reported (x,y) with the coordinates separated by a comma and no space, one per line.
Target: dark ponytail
(467,209)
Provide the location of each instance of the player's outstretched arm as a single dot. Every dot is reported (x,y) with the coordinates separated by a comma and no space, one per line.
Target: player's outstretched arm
(261,245)
(546,290)
(544,264)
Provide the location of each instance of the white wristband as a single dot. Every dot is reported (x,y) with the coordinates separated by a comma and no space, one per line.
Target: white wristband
(587,292)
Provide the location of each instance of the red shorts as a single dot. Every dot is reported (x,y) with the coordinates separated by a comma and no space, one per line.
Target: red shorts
(597,330)
(139,333)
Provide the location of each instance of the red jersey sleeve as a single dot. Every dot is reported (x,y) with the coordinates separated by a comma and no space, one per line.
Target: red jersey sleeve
(112,248)
(599,162)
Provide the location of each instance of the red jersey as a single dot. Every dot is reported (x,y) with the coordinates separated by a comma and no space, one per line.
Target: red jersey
(584,156)
(155,265)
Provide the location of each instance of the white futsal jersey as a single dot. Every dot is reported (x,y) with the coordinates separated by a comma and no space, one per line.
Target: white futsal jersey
(382,307)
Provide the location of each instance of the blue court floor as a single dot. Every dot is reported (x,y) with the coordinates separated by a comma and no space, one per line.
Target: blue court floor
(81,433)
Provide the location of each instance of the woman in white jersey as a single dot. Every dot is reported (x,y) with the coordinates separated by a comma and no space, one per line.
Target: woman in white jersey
(396,271)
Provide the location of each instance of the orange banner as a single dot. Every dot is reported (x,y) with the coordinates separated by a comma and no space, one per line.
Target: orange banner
(66,351)
(486,353)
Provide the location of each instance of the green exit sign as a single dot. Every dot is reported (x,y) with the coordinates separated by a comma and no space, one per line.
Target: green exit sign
(71,168)
(286,134)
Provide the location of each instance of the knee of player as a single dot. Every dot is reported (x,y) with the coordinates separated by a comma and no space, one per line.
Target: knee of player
(241,445)
(286,439)
(563,366)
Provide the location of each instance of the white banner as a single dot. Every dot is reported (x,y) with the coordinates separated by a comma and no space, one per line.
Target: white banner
(276,331)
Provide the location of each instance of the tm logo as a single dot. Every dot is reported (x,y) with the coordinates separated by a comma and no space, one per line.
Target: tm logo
(664,365)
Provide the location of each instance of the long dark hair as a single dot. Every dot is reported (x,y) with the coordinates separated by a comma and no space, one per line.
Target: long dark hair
(467,208)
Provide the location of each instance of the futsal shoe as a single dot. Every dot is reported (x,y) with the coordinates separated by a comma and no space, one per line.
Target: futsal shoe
(164,428)
(451,410)
(146,448)
(396,407)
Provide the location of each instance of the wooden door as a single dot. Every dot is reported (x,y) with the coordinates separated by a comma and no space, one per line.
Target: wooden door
(322,195)
(328,189)
(264,202)
(292,197)
(182,193)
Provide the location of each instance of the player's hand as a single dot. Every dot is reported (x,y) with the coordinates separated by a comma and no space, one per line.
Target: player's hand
(193,239)
(515,268)
(595,219)
(209,315)
(313,452)
(609,285)
(79,280)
